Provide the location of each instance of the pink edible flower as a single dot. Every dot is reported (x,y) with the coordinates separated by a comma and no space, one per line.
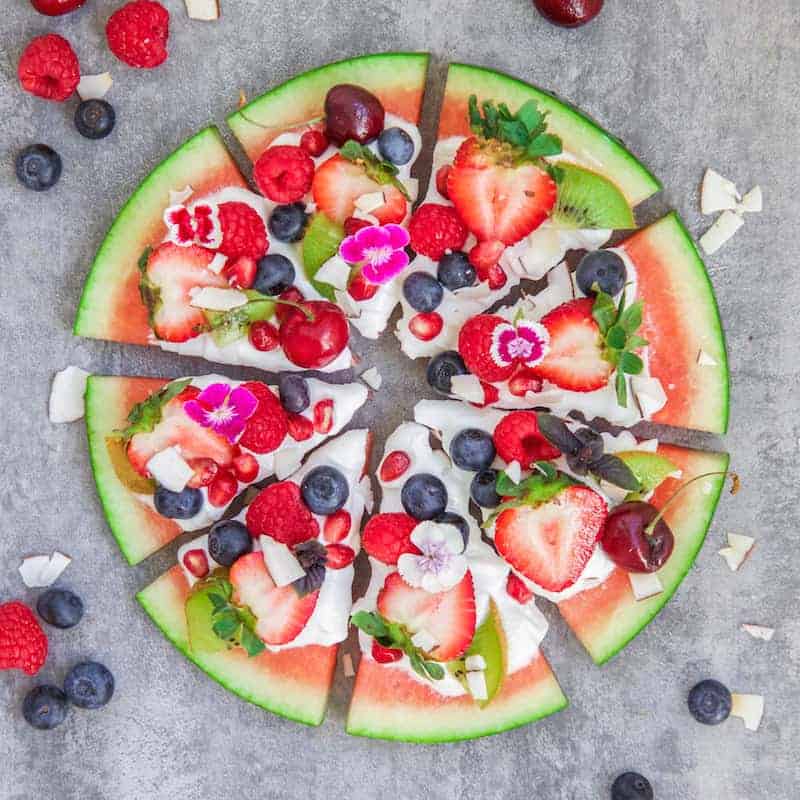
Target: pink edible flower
(223,410)
(378,250)
(196,225)
(525,342)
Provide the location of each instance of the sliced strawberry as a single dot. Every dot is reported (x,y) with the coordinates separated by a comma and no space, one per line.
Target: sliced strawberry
(575,359)
(387,536)
(205,471)
(241,272)
(524,381)
(323,416)
(172,272)
(517,438)
(551,543)
(491,394)
(338,183)
(339,556)
(517,589)
(475,345)
(222,489)
(449,617)
(337,527)
(360,288)
(394,465)
(385,655)
(280,612)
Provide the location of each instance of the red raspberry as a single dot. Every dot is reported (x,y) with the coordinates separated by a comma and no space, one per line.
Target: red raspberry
(518,590)
(435,229)
(475,346)
(49,68)
(385,655)
(23,644)
(337,527)
(137,33)
(268,401)
(291,295)
(245,467)
(426,325)
(388,536)
(441,180)
(222,489)
(279,512)
(362,289)
(524,381)
(243,231)
(517,438)
(354,224)
(339,556)
(300,427)
(265,432)
(323,416)
(263,336)
(314,142)
(394,465)
(284,173)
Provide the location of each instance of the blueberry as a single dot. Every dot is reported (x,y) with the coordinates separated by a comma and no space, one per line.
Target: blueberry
(396,145)
(603,267)
(60,608)
(442,368)
(455,271)
(287,223)
(293,390)
(483,491)
(710,702)
(324,490)
(424,496)
(178,505)
(457,521)
(45,707)
(95,119)
(422,291)
(228,541)
(38,167)
(472,449)
(275,274)
(89,685)
(631,786)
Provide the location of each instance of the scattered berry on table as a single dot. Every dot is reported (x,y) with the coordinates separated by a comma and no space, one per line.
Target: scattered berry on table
(435,229)
(45,707)
(55,8)
(23,644)
(482,489)
(710,702)
(569,13)
(95,118)
(279,511)
(284,173)
(138,32)
(631,786)
(441,369)
(178,505)
(287,222)
(38,167)
(294,393)
(228,540)
(396,146)
(49,68)
(455,272)
(424,496)
(387,536)
(60,608)
(324,490)
(352,112)
(426,326)
(603,267)
(472,449)
(274,274)
(394,465)
(89,685)
(422,291)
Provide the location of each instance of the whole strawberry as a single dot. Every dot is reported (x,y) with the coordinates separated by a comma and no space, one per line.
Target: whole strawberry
(49,68)
(23,644)
(137,33)
(55,8)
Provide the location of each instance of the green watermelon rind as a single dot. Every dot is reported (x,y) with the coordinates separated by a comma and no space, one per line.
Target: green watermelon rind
(573,125)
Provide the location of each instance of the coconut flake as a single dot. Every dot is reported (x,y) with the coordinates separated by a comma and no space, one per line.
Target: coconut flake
(752,202)
(476,683)
(58,563)
(705,360)
(347,665)
(283,566)
(721,232)
(514,471)
(94,87)
(738,549)
(335,271)
(748,707)
(467,387)
(372,378)
(423,640)
(367,217)
(370,201)
(177,197)
(645,584)
(66,395)
(475,663)
(218,263)
(717,193)
(170,470)
(213,299)
(650,394)
(203,10)
(33,570)
(758,631)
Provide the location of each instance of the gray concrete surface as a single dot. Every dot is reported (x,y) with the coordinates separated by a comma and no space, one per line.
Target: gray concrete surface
(687,83)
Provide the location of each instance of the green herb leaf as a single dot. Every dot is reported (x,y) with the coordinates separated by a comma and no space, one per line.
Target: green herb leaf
(630,319)
(621,386)
(616,337)
(530,116)
(251,643)
(614,470)
(435,671)
(630,363)
(604,311)
(372,624)
(144,416)
(545,144)
(226,625)
(144,258)
(513,132)
(382,172)
(505,487)
(635,342)
(547,469)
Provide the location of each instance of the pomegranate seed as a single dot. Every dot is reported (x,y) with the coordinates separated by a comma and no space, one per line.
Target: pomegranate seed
(339,556)
(385,655)
(394,465)
(353,224)
(491,394)
(484,256)
(337,527)
(497,277)
(361,289)
(246,467)
(518,590)
(426,325)
(441,180)
(323,416)
(205,470)
(263,336)
(524,381)
(300,427)
(196,562)
(222,489)
(314,142)
(291,295)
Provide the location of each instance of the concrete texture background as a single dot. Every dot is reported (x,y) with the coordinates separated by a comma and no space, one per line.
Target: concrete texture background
(687,83)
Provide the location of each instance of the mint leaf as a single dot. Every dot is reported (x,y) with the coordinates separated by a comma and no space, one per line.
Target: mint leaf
(382,172)
(545,144)
(505,487)
(621,386)
(603,310)
(530,116)
(372,624)
(630,363)
(251,643)
(514,132)
(435,671)
(630,319)
(226,626)
(144,416)
(616,337)
(635,342)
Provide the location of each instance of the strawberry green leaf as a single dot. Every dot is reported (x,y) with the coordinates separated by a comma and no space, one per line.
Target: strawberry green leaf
(604,311)
(630,363)
(621,386)
(372,623)
(530,116)
(382,172)
(616,337)
(630,319)
(144,416)
(546,144)
(251,643)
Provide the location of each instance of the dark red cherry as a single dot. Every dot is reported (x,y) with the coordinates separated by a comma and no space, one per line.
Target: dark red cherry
(352,112)
(569,13)
(633,542)
(314,336)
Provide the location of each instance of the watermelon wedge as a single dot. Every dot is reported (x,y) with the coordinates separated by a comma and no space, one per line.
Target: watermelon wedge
(387,704)
(397,79)
(110,307)
(592,146)
(292,683)
(681,321)
(607,617)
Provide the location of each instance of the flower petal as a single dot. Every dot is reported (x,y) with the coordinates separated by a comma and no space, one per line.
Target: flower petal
(244,403)
(195,411)
(453,572)
(387,269)
(409,569)
(398,236)
(373,236)
(213,396)
(351,250)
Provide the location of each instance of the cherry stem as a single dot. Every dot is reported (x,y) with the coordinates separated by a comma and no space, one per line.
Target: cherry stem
(651,527)
(309,315)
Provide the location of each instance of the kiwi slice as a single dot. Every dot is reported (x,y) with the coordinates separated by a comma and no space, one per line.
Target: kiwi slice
(127,475)
(587,200)
(320,243)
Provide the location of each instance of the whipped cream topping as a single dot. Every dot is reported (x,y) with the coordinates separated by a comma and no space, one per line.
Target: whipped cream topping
(329,622)
(524,625)
(347,399)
